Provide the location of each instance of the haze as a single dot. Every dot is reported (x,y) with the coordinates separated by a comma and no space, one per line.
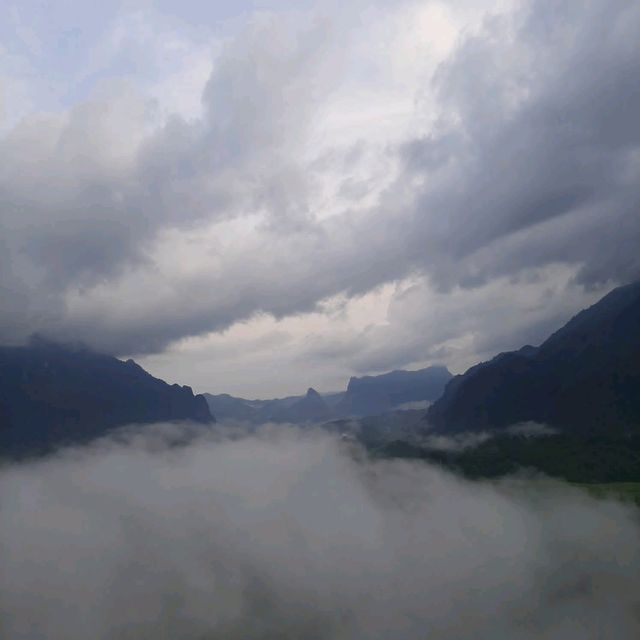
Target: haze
(287,534)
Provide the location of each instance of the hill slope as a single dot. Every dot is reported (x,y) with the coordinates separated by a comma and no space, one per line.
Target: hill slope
(585,378)
(52,394)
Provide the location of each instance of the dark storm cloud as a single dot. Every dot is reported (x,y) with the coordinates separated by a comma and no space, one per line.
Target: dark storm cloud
(539,147)
(83,196)
(287,535)
(534,160)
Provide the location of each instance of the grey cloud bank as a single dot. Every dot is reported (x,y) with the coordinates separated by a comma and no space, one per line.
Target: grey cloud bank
(288,534)
(129,239)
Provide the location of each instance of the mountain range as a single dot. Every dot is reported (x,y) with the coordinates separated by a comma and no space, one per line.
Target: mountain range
(366,396)
(584,380)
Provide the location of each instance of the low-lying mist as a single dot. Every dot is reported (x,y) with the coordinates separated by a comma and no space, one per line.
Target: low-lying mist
(471,439)
(286,534)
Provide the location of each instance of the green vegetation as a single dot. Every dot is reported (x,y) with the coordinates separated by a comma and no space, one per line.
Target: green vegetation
(625,491)
(610,462)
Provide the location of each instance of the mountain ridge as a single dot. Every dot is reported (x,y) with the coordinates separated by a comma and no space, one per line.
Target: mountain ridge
(53,394)
(364,396)
(584,377)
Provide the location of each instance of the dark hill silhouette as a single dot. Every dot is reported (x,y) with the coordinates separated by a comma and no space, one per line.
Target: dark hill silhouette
(52,394)
(585,378)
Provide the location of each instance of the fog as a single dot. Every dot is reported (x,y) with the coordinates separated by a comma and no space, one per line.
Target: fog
(471,439)
(287,534)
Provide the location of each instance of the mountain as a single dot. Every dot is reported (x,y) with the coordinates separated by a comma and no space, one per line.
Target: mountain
(366,396)
(585,378)
(226,407)
(372,395)
(230,408)
(309,408)
(52,394)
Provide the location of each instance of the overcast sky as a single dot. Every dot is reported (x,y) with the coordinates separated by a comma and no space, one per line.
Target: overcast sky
(257,197)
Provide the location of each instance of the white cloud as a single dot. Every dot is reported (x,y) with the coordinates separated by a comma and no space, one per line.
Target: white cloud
(422,326)
(288,534)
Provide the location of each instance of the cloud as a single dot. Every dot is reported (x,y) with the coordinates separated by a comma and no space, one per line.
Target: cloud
(288,534)
(460,327)
(530,430)
(460,442)
(534,164)
(511,146)
(472,439)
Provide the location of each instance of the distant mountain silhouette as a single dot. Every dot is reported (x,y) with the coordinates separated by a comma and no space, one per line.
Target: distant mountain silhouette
(309,408)
(585,378)
(52,394)
(227,407)
(290,409)
(366,396)
(372,395)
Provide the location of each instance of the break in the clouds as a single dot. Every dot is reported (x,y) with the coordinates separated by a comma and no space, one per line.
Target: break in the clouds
(178,175)
(290,534)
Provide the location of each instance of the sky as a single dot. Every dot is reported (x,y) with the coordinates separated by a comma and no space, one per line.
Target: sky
(259,197)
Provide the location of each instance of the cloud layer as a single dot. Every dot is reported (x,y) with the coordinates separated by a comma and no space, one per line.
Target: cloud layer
(289,535)
(299,162)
